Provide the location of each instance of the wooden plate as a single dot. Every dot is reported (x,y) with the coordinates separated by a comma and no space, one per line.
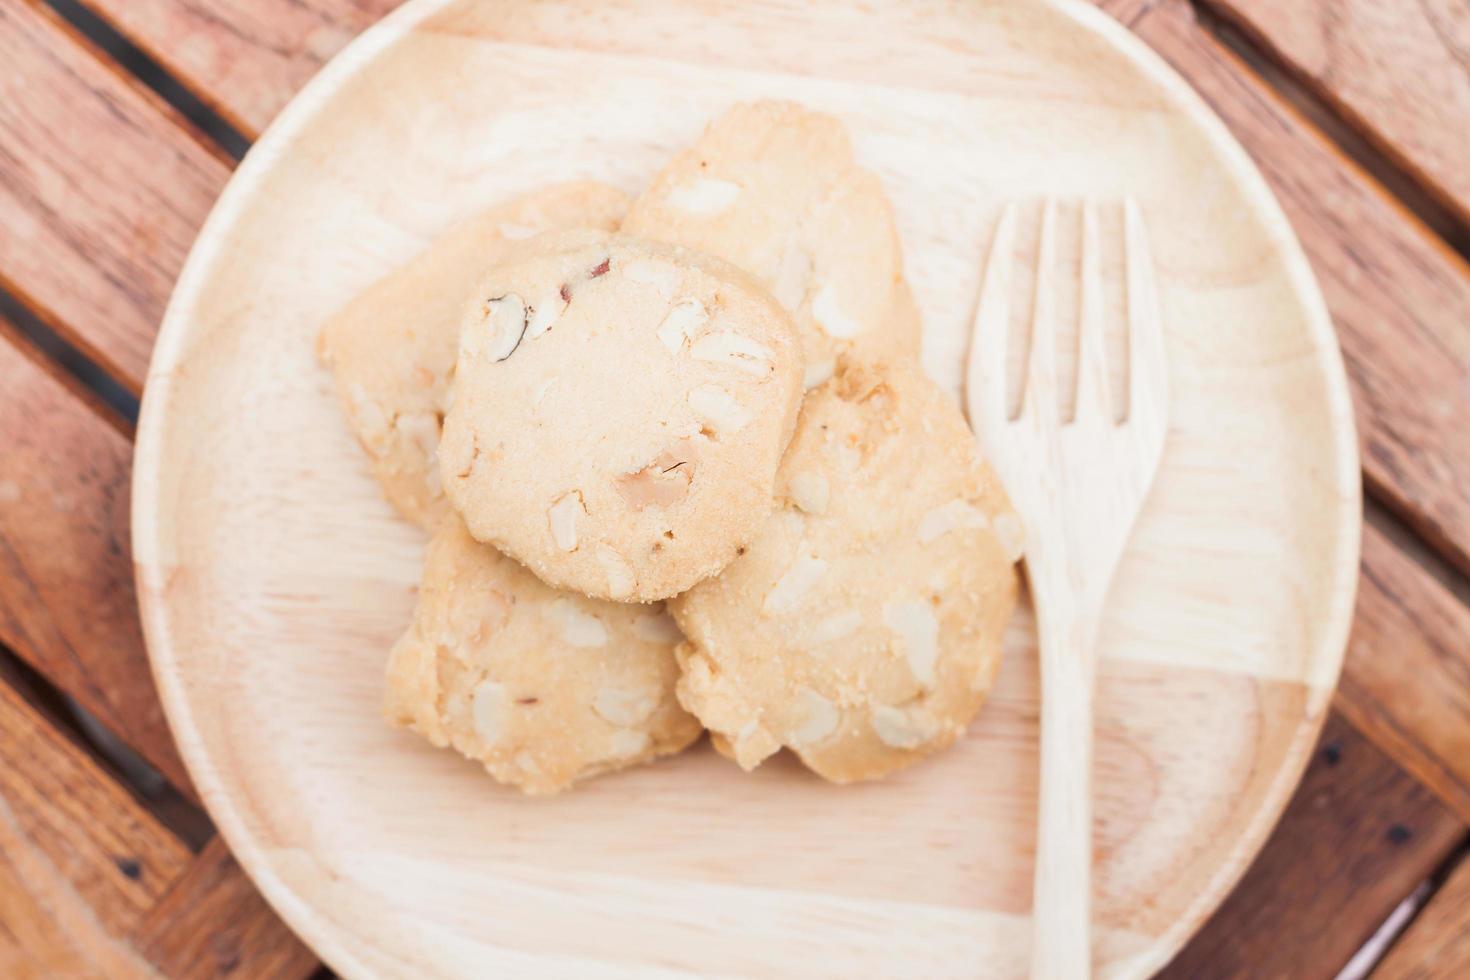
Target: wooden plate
(273,576)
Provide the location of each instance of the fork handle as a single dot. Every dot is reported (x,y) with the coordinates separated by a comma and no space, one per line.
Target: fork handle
(1062,896)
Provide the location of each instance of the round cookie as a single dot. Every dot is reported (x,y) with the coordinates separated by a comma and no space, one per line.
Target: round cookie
(392,348)
(862,628)
(773,188)
(620,411)
(542,687)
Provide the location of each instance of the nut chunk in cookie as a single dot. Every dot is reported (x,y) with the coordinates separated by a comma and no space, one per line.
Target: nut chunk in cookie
(774,188)
(862,628)
(542,687)
(620,411)
(392,348)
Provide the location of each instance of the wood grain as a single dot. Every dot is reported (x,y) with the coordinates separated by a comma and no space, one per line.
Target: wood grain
(1399,298)
(1399,71)
(245,57)
(80,862)
(1406,682)
(101,190)
(67,604)
(213,923)
(91,884)
(1359,835)
(1436,946)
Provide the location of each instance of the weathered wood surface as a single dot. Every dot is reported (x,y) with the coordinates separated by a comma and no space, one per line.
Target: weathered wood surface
(94,251)
(213,922)
(1406,683)
(66,581)
(80,862)
(246,58)
(1400,71)
(90,883)
(101,190)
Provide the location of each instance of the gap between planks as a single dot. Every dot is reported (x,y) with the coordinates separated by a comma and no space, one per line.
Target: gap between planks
(67,603)
(1393,81)
(133,61)
(109,753)
(91,884)
(69,364)
(1436,942)
(1406,918)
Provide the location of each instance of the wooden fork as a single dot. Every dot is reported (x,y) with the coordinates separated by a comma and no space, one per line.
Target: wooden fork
(1078,485)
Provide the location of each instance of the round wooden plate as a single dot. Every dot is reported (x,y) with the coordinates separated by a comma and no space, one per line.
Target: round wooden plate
(273,576)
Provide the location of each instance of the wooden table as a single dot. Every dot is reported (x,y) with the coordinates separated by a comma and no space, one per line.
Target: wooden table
(120,120)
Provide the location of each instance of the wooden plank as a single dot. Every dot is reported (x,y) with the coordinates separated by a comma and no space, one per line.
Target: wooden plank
(213,923)
(81,863)
(67,604)
(1406,682)
(245,58)
(92,885)
(1357,837)
(1436,946)
(101,191)
(1399,297)
(1397,71)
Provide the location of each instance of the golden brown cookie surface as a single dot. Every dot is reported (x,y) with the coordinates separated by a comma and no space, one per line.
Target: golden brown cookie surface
(862,628)
(620,411)
(542,687)
(773,188)
(392,348)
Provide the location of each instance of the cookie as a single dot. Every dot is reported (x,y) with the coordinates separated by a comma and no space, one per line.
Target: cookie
(620,411)
(773,188)
(542,687)
(903,313)
(392,348)
(862,628)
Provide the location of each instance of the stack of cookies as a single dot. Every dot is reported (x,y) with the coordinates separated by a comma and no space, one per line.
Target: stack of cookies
(682,472)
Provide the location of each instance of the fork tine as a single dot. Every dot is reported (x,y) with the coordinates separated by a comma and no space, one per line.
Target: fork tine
(1147,366)
(1092,362)
(985,374)
(1041,384)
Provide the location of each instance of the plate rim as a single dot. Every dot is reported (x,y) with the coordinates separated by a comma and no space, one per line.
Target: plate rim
(327,939)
